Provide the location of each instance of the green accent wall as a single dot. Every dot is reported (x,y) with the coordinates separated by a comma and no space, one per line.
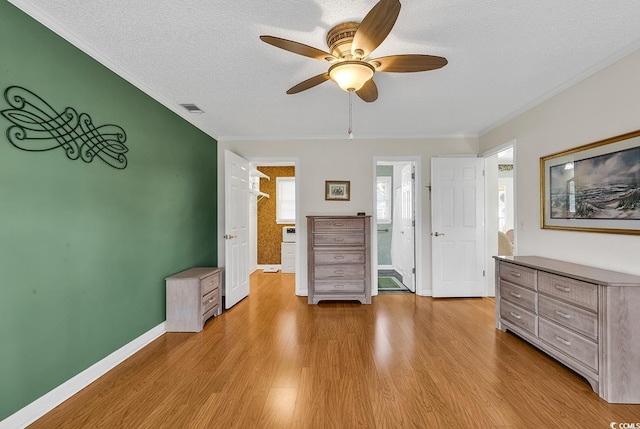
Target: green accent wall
(85,248)
(384,238)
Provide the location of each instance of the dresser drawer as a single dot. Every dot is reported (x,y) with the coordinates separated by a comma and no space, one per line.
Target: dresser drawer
(212,312)
(339,239)
(210,300)
(572,344)
(339,271)
(347,286)
(288,250)
(288,265)
(210,283)
(518,295)
(337,224)
(581,293)
(339,257)
(519,275)
(518,316)
(569,316)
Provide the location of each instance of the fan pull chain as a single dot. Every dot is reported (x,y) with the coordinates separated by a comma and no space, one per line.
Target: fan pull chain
(350,132)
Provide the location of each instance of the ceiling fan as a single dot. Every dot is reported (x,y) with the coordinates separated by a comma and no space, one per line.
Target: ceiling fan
(351,44)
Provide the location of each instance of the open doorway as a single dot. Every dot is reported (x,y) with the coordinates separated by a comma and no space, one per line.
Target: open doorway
(395,232)
(500,207)
(506,207)
(273,209)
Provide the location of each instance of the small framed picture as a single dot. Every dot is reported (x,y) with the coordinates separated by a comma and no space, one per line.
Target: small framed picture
(337,190)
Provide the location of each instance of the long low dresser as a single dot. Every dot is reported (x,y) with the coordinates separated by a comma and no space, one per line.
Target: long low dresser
(585,317)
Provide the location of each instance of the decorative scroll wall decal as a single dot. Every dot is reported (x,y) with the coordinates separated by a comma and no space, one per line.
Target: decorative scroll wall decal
(37,127)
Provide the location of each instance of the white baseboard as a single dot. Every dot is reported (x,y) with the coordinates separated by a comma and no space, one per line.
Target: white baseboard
(267,266)
(55,397)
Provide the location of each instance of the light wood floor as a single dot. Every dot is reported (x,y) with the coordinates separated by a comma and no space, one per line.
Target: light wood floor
(273,361)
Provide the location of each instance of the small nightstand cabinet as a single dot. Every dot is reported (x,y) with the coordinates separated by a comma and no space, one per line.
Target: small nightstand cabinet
(193,296)
(339,258)
(585,317)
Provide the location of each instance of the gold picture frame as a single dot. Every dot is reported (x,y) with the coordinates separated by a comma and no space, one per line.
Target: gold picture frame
(337,190)
(593,188)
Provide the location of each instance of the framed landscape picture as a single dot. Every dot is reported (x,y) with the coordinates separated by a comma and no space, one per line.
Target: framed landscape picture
(593,188)
(337,190)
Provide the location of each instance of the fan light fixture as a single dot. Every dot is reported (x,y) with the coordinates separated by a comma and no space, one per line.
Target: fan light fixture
(351,75)
(350,45)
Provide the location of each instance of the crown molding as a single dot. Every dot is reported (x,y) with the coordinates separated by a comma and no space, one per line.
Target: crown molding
(345,137)
(601,65)
(45,19)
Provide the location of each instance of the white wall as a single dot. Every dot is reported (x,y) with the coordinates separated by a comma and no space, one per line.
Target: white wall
(604,105)
(320,160)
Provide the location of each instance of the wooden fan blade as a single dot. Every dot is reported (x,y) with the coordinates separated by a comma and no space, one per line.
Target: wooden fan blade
(408,63)
(309,83)
(368,92)
(375,27)
(297,48)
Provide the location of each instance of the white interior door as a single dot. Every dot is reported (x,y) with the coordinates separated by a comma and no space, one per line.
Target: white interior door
(236,227)
(457,229)
(407,219)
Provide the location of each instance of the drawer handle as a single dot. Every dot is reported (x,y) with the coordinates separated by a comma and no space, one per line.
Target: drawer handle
(339,272)
(338,239)
(338,224)
(211,300)
(516,295)
(563,341)
(563,288)
(515,274)
(339,286)
(338,257)
(516,315)
(561,314)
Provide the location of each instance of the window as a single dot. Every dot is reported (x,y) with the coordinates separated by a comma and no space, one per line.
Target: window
(285,200)
(383,196)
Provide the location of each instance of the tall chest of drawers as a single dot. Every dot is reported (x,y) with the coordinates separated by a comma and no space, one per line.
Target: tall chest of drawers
(339,258)
(193,296)
(585,317)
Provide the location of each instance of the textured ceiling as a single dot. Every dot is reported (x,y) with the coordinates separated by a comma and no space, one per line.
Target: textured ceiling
(503,56)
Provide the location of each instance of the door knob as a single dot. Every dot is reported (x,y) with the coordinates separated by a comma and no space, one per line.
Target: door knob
(229,237)
(438,234)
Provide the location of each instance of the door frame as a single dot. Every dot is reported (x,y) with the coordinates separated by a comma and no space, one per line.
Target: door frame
(421,289)
(491,212)
(295,161)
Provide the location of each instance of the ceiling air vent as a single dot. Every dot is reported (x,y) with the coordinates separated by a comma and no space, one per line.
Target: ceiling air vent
(192,108)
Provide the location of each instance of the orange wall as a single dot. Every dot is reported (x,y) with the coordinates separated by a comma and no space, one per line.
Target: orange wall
(269,232)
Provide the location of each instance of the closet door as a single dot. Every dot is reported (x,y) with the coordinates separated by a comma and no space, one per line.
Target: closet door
(457,229)
(236,227)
